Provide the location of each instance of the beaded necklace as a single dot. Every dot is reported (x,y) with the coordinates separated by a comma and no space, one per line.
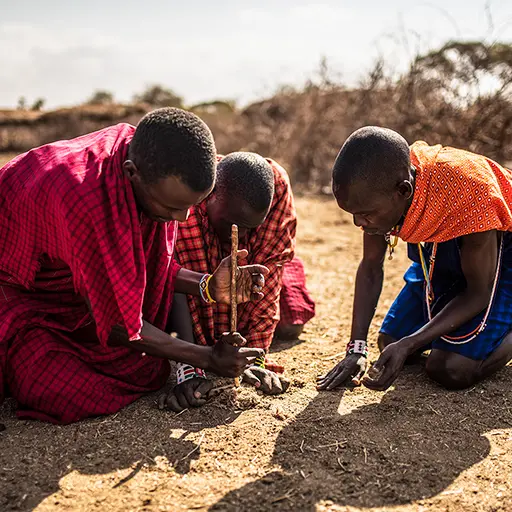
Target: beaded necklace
(428,272)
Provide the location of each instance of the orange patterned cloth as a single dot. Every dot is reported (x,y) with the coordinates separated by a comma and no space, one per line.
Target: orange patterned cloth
(456,193)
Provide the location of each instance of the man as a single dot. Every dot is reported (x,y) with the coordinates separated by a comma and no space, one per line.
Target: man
(87,234)
(453,209)
(254,193)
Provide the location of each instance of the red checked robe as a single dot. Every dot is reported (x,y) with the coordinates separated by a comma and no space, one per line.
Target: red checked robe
(271,244)
(70,230)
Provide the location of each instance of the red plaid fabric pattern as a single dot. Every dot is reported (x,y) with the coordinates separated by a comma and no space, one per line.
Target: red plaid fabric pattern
(69,229)
(297,305)
(272,244)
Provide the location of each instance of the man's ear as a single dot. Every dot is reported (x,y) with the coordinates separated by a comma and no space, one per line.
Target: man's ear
(130,170)
(406,189)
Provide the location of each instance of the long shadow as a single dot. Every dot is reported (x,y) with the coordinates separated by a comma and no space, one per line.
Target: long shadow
(411,445)
(280,345)
(35,456)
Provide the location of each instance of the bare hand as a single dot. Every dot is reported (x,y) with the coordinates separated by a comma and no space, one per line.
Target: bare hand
(269,382)
(384,372)
(191,393)
(250,281)
(349,370)
(228,359)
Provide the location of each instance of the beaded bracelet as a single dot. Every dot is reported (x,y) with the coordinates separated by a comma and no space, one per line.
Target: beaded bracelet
(260,362)
(186,372)
(358,347)
(204,289)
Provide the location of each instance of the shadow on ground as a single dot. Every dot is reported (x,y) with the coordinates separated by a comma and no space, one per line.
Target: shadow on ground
(410,446)
(36,456)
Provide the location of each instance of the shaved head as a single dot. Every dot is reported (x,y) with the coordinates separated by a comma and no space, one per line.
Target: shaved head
(377,157)
(247,177)
(372,178)
(243,194)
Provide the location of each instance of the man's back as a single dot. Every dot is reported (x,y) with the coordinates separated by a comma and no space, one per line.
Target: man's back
(68,205)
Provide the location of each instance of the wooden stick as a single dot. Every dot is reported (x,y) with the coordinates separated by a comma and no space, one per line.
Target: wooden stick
(234,267)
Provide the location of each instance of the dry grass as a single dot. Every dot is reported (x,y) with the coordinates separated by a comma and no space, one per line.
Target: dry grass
(414,448)
(443,98)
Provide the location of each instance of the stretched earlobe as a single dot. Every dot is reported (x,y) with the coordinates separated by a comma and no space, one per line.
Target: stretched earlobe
(411,189)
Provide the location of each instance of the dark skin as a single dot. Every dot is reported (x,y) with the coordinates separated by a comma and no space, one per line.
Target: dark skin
(170,199)
(223,211)
(478,260)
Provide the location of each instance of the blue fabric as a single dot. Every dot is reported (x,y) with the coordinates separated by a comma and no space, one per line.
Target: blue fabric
(408,312)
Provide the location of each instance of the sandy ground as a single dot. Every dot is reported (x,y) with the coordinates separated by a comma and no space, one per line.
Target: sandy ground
(413,448)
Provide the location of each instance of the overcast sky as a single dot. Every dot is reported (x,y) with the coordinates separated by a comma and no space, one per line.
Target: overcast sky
(63,50)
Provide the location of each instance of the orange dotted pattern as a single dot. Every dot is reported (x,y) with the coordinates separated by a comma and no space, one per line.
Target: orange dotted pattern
(456,193)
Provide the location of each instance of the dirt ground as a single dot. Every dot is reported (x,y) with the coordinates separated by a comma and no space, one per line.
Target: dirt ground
(413,448)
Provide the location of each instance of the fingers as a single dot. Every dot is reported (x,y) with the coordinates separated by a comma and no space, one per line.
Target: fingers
(256,297)
(277,388)
(334,379)
(234,338)
(252,353)
(258,282)
(179,393)
(381,375)
(188,394)
(169,401)
(332,371)
(204,388)
(256,269)
(356,381)
(339,379)
(251,379)
(385,380)
(285,383)
(173,404)
(242,254)
(193,399)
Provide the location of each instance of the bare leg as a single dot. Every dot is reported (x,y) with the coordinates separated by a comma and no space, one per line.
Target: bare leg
(454,371)
(384,340)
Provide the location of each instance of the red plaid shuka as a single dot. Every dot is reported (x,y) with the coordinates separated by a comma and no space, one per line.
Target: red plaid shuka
(296,304)
(69,230)
(272,244)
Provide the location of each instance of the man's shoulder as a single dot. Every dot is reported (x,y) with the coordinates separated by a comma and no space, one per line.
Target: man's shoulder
(281,178)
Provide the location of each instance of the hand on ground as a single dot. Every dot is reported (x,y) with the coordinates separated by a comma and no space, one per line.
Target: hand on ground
(269,382)
(347,372)
(384,372)
(191,393)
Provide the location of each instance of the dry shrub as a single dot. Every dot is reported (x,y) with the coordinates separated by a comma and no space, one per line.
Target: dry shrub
(460,95)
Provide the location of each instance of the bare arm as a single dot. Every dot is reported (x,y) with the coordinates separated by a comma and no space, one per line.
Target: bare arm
(369,279)
(187,281)
(479,254)
(157,343)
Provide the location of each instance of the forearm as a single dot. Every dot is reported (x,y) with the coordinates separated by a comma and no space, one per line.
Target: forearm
(157,343)
(369,279)
(457,312)
(187,281)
